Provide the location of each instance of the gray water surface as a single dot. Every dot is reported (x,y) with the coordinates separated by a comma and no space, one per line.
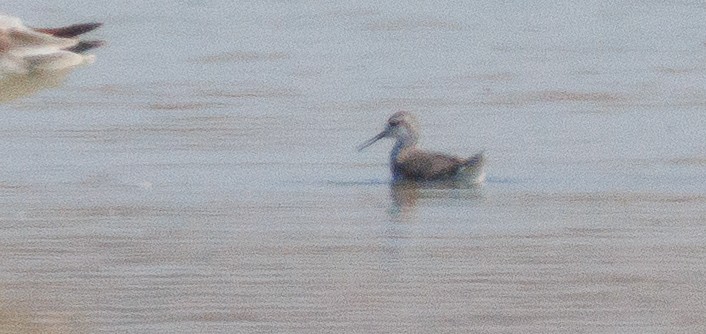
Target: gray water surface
(201,176)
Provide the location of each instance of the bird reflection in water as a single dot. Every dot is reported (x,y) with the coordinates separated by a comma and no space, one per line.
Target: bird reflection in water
(408,195)
(18,86)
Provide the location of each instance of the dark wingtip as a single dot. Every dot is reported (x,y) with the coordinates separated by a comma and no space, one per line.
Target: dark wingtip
(476,160)
(72,30)
(85,45)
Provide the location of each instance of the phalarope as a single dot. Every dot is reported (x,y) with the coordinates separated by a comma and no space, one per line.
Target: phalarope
(409,163)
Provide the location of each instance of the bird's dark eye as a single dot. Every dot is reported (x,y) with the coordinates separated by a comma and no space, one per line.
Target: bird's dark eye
(394,122)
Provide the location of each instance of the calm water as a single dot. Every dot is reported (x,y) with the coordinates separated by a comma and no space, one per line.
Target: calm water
(201,176)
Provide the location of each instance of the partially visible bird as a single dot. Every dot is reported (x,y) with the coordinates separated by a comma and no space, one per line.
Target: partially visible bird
(24,50)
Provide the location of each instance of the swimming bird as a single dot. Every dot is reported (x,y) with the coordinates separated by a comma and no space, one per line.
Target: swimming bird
(409,163)
(24,50)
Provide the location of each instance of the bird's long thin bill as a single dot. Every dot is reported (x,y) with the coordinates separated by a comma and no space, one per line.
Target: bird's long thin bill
(371,141)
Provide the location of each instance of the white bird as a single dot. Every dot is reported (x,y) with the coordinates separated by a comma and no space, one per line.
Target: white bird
(24,50)
(409,163)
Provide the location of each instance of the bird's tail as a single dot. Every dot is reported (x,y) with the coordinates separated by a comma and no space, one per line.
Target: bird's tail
(477,160)
(473,168)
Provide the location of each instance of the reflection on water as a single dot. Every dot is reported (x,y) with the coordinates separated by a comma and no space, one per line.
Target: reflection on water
(406,195)
(18,86)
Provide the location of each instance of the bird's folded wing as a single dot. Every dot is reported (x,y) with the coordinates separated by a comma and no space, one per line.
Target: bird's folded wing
(420,165)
